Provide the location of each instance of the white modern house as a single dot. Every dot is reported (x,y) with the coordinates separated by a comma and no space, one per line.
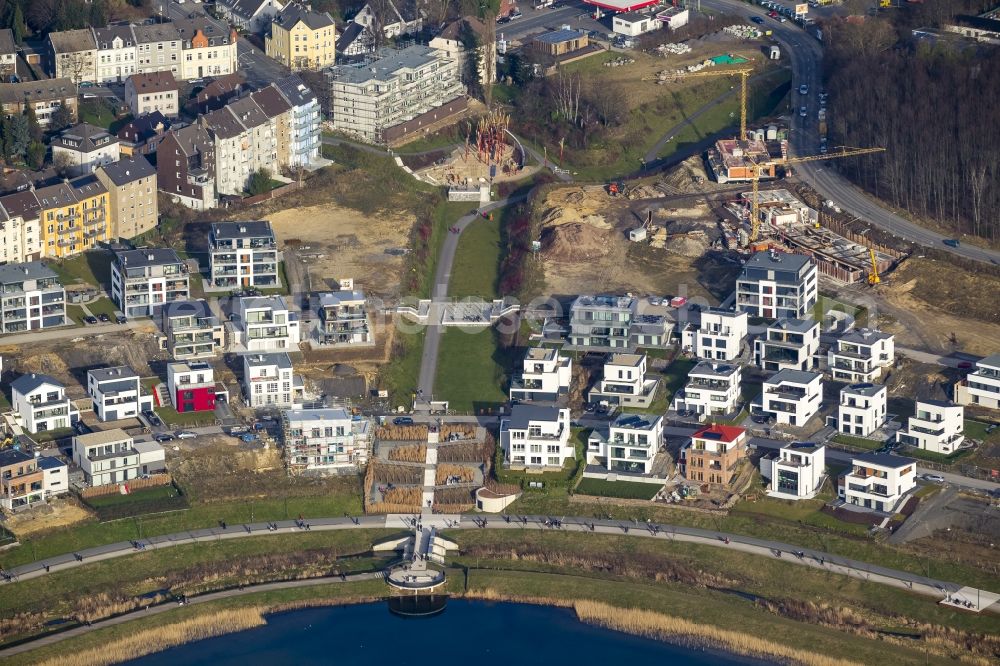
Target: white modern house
(117,393)
(795,471)
(85,147)
(191,330)
(325,440)
(862,409)
(633,441)
(792,397)
(982,387)
(775,285)
(712,389)
(878,481)
(718,336)
(269,381)
(41,403)
(614,323)
(343,318)
(787,344)
(860,355)
(624,382)
(31,298)
(545,375)
(241,255)
(634,24)
(536,437)
(26,480)
(112,456)
(936,425)
(264,323)
(143,281)
(191,386)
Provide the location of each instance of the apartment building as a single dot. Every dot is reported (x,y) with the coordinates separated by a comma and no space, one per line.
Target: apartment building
(142,135)
(243,254)
(397,86)
(624,383)
(536,436)
(44,97)
(936,425)
(158,48)
(304,122)
(26,480)
(982,387)
(185,166)
(713,455)
(450,41)
(208,47)
(343,319)
(633,442)
(116,54)
(860,355)
(73,54)
(325,440)
(545,375)
(717,336)
(613,322)
(877,481)
(85,147)
(269,381)
(712,389)
(862,409)
(191,385)
(253,16)
(132,196)
(775,285)
(41,403)
(279,115)
(153,91)
(301,38)
(31,298)
(74,216)
(117,393)
(112,456)
(21,227)
(396,18)
(143,281)
(8,55)
(796,471)
(191,331)
(787,344)
(265,324)
(792,397)
(245,142)
(12,234)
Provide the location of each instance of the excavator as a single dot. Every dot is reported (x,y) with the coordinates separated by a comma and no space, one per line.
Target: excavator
(873,278)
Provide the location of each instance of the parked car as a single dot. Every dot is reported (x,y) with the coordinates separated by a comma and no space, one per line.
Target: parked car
(758,20)
(186,434)
(236,431)
(934,478)
(163,437)
(90,319)
(104,317)
(402,420)
(951,242)
(121,319)
(153,418)
(760,417)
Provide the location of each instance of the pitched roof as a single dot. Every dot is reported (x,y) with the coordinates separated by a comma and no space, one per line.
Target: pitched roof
(27,383)
(244,8)
(105,36)
(72,41)
(128,170)
(293,13)
(223,123)
(247,112)
(720,433)
(37,91)
(154,82)
(144,127)
(347,36)
(270,101)
(453,30)
(84,138)
(210,27)
(55,196)
(7,44)
(21,204)
(87,186)
(192,139)
(295,91)
(155,32)
(220,86)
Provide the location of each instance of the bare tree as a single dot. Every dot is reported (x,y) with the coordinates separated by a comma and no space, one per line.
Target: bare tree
(568,88)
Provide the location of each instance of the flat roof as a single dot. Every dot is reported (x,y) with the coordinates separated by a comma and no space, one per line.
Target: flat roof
(31,270)
(792,376)
(993,361)
(324,414)
(557,36)
(113,374)
(864,389)
(632,360)
(884,460)
(803,447)
(714,369)
(102,437)
(621,5)
(780,261)
(522,415)
(636,421)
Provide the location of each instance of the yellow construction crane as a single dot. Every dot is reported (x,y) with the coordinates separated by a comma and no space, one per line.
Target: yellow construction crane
(873,278)
(744,74)
(783,161)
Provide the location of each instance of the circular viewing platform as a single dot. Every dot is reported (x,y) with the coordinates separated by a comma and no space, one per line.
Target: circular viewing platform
(413,576)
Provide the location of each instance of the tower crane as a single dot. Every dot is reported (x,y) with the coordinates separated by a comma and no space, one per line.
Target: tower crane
(744,74)
(784,161)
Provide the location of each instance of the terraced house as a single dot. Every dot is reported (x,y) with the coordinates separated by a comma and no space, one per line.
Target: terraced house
(208,47)
(245,141)
(143,281)
(74,216)
(131,185)
(304,142)
(116,54)
(31,298)
(74,55)
(157,48)
(44,97)
(301,38)
(20,235)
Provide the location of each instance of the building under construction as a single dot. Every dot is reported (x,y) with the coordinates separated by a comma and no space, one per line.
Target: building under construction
(732,160)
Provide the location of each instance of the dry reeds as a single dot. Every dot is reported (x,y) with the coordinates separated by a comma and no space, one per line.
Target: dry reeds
(502,488)
(467,452)
(447,472)
(385,507)
(414,453)
(402,474)
(402,433)
(405,496)
(678,630)
(462,430)
(163,637)
(458,496)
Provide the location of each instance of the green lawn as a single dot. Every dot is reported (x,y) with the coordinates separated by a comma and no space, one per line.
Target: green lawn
(806,512)
(143,495)
(858,442)
(623,489)
(172,417)
(98,113)
(401,374)
(977,430)
(933,456)
(93,268)
(103,305)
(675,376)
(442,139)
(477,261)
(75,314)
(471,371)
(443,216)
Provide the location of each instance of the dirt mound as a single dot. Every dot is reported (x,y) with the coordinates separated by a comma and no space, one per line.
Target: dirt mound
(572,242)
(570,205)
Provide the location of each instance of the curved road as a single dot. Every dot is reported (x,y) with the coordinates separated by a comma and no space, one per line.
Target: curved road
(806,56)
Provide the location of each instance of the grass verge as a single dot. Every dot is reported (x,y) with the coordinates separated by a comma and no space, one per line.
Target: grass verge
(471,370)
(623,489)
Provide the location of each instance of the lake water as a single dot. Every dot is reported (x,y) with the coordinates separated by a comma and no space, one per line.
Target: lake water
(467,632)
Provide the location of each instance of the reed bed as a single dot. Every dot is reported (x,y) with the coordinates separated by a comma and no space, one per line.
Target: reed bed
(389,473)
(464,452)
(407,496)
(402,433)
(414,453)
(445,471)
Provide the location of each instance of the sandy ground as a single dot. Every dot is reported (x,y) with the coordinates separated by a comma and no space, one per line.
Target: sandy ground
(462,167)
(344,243)
(59,512)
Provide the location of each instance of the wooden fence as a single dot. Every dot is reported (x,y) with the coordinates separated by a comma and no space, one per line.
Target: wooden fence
(133,484)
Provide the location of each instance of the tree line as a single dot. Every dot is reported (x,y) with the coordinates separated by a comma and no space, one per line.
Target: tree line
(931,106)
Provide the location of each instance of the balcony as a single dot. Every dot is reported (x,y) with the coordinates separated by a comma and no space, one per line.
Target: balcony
(784,393)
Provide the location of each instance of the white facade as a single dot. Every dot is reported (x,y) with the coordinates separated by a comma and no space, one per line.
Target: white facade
(343,318)
(545,375)
(84,147)
(265,324)
(774,285)
(788,344)
(304,124)
(860,355)
(862,409)
(633,442)
(796,472)
(116,53)
(113,456)
(41,403)
(632,24)
(792,397)
(250,15)
(536,437)
(208,47)
(878,481)
(31,298)
(269,381)
(143,281)
(185,376)
(982,387)
(117,393)
(674,17)
(26,480)
(624,382)
(712,389)
(936,426)
(243,254)
(325,440)
(718,337)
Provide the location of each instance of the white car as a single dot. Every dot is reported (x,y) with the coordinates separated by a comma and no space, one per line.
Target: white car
(803,112)
(934,478)
(804,89)
(186,434)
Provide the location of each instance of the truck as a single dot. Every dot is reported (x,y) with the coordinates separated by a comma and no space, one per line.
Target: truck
(822,128)
(248,437)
